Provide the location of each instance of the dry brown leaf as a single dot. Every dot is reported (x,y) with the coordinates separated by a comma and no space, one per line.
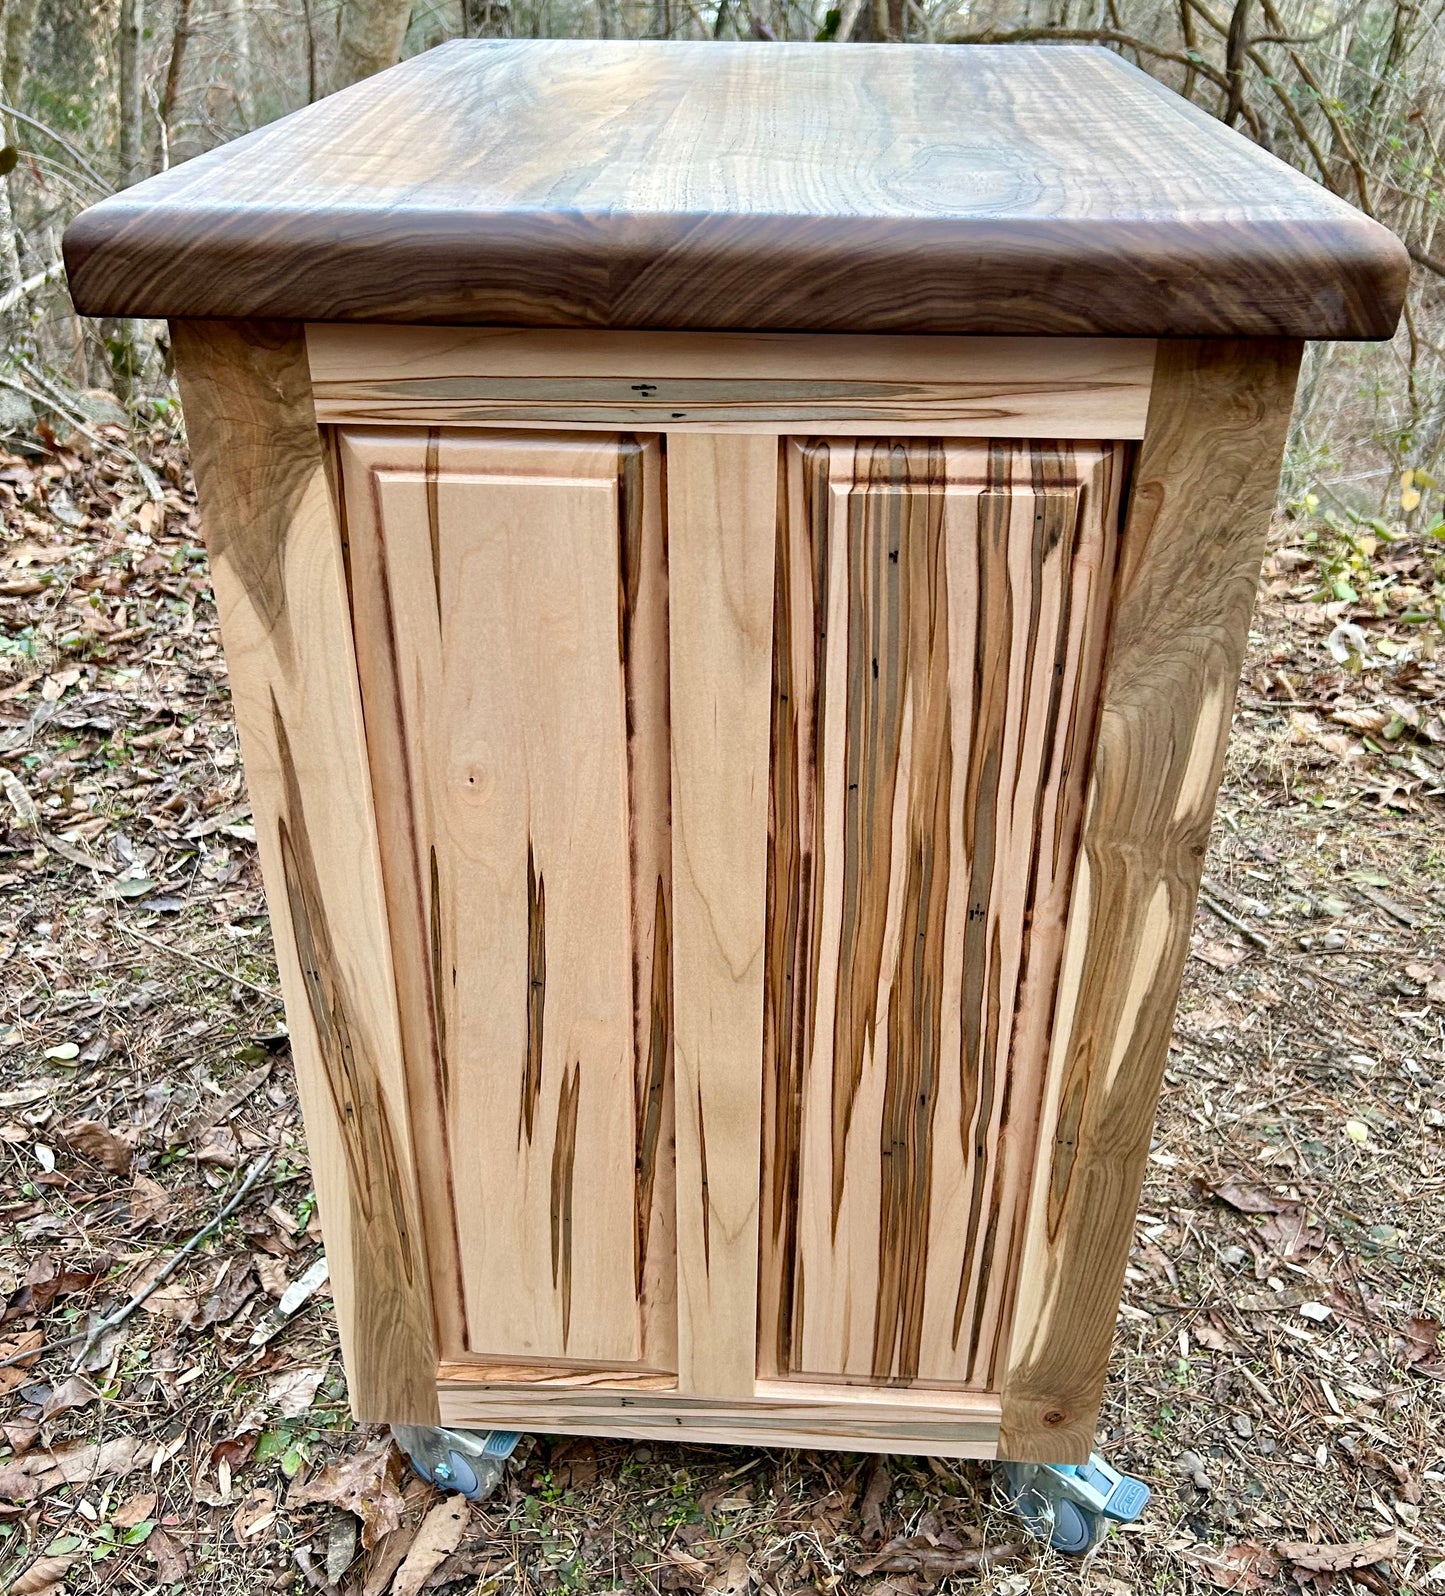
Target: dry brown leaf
(75,1392)
(1431,977)
(1289,1235)
(14,1377)
(439,1536)
(133,1510)
(1211,1334)
(231,1292)
(271,1272)
(1219,955)
(730,1581)
(363,1483)
(76,1463)
(1247,1566)
(383,1563)
(99,1143)
(1319,1558)
(1247,1197)
(44,1574)
(150,1202)
(20,1437)
(875,1494)
(218,1146)
(287,1396)
(254,1514)
(172,1560)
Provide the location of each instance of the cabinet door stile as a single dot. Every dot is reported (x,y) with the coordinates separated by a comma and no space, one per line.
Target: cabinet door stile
(722,508)
(278,568)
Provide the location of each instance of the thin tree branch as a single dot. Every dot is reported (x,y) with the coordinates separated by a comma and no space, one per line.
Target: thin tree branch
(64,143)
(114,1320)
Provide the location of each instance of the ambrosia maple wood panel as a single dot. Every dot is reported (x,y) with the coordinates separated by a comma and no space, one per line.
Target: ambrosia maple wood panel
(701,934)
(722,504)
(779,382)
(712,185)
(278,570)
(778,1414)
(510,621)
(939,621)
(1190,550)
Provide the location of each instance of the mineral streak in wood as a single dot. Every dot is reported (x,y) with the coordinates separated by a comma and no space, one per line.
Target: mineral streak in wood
(277,567)
(511,625)
(938,619)
(1189,559)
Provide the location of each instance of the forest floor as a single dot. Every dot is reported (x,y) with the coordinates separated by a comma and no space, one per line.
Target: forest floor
(1279,1376)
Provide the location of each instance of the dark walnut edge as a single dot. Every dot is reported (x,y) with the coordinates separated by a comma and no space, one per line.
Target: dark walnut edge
(1340,278)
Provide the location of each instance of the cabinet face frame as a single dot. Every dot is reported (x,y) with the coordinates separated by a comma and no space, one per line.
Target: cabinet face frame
(1189,551)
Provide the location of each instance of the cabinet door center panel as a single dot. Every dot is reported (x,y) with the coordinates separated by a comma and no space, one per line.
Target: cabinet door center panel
(510,614)
(938,629)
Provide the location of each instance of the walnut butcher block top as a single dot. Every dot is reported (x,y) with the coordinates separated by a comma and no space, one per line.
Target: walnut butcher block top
(806,188)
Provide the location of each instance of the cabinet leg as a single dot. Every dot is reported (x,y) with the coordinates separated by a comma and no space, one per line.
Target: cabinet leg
(1071,1505)
(469,1461)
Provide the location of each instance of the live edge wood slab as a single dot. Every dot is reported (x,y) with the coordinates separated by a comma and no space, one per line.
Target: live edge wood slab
(733,667)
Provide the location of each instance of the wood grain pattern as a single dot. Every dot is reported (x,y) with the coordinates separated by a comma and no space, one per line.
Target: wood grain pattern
(938,623)
(511,628)
(809,383)
(722,504)
(277,567)
(777,1415)
(917,188)
(1189,558)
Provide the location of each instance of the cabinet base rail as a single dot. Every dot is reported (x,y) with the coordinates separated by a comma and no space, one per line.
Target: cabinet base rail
(781,1413)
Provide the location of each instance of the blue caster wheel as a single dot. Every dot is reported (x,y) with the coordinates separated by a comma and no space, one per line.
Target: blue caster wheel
(469,1461)
(1071,1505)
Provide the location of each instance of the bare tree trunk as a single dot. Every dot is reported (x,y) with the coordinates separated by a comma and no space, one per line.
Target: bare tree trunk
(243,83)
(123,342)
(311,88)
(130,162)
(19,25)
(180,38)
(370,38)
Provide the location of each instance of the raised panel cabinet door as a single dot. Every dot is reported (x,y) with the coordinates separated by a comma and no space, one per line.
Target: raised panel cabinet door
(938,624)
(509,601)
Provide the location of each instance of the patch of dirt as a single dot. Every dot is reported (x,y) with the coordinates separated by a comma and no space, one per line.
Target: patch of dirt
(1279,1376)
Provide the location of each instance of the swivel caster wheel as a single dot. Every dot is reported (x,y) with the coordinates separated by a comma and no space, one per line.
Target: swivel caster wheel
(469,1461)
(1071,1505)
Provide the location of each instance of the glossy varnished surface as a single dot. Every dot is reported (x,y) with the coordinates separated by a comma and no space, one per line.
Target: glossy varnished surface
(859,188)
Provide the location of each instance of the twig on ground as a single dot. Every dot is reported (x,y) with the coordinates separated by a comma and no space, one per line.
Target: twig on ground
(1245,930)
(205,964)
(113,1321)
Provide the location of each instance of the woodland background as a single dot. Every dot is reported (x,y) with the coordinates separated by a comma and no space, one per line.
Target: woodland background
(1350,91)
(1279,1376)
